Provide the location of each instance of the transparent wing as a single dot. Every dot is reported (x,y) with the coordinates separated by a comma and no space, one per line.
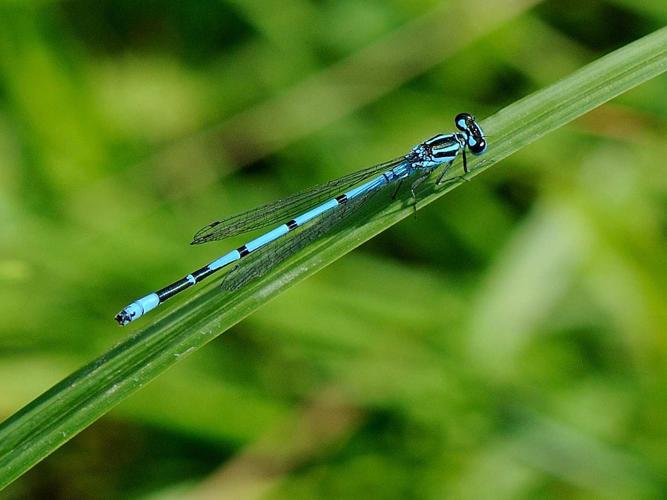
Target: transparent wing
(263,260)
(282,210)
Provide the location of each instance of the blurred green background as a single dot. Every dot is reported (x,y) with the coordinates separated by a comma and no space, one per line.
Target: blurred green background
(509,342)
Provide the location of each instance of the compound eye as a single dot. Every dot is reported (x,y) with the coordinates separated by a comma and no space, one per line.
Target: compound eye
(478,146)
(462,120)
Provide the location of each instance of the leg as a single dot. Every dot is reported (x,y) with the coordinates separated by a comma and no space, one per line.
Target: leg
(442,175)
(465,161)
(461,177)
(413,189)
(398,188)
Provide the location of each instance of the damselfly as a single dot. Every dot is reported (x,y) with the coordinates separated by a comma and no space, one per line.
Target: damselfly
(319,209)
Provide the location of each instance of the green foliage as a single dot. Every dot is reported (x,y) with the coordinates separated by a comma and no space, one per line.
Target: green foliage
(506,342)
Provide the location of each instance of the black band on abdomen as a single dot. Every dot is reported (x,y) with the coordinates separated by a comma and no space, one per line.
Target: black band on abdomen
(173,289)
(202,273)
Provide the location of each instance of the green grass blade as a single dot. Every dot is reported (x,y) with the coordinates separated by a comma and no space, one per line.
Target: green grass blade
(66,409)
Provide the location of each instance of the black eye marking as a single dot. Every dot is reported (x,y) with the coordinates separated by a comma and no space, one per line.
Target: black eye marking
(462,121)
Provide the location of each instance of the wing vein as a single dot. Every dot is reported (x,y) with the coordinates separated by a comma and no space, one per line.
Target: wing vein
(280,211)
(264,259)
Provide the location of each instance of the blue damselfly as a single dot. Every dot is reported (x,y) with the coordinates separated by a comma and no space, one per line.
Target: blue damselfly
(319,209)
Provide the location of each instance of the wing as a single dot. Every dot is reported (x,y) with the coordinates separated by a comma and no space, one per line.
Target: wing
(263,260)
(282,210)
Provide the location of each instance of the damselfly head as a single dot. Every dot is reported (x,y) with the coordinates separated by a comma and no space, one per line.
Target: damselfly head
(475,139)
